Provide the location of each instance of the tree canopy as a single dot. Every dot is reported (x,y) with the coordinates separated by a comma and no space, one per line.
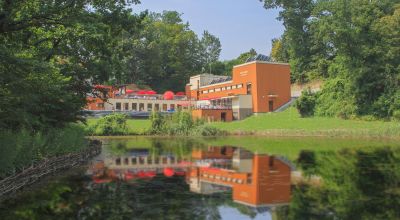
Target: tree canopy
(53,52)
(353,44)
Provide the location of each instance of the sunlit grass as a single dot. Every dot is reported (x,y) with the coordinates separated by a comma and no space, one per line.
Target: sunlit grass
(289,122)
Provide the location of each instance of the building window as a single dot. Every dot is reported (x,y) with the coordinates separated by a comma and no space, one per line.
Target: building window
(149,107)
(134,161)
(126,161)
(218,90)
(205,92)
(223,88)
(234,87)
(228,88)
(157,107)
(118,106)
(172,107)
(271,161)
(249,89)
(211,90)
(141,107)
(134,106)
(165,107)
(126,106)
(239,86)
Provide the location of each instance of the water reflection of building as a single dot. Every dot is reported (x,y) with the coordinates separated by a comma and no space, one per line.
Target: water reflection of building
(256,180)
(139,163)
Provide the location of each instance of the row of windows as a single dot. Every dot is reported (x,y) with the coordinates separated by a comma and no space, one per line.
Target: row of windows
(238,86)
(140,107)
(223,178)
(141,160)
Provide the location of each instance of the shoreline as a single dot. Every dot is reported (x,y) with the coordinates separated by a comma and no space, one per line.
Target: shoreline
(267,134)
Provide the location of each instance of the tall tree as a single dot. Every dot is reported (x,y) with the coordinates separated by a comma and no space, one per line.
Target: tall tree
(295,16)
(210,49)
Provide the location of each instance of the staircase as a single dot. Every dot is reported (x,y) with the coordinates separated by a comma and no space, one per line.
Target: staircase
(287,105)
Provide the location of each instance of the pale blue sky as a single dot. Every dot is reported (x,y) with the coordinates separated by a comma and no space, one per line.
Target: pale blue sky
(239,24)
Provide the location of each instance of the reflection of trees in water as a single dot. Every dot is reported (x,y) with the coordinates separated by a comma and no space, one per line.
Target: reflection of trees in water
(159,198)
(157,146)
(357,184)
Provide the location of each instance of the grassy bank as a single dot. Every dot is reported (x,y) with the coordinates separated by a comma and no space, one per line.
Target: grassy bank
(289,123)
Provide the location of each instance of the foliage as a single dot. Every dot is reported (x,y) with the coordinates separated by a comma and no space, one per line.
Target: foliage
(48,52)
(20,149)
(353,44)
(357,184)
(180,123)
(279,51)
(328,104)
(306,103)
(225,67)
(206,130)
(113,124)
(307,161)
(166,48)
(211,49)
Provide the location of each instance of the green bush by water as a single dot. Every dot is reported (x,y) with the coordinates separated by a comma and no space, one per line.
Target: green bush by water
(20,149)
(114,124)
(180,123)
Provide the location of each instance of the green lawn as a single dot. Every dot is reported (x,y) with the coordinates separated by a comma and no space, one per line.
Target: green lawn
(135,126)
(290,123)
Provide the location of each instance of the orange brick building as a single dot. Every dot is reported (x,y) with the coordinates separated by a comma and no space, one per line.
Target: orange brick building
(256,180)
(266,83)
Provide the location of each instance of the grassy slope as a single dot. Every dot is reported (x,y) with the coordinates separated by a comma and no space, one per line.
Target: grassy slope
(290,123)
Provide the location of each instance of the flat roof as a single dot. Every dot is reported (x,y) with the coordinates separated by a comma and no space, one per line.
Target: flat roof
(262,62)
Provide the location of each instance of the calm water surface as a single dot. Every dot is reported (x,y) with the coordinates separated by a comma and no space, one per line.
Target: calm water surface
(233,178)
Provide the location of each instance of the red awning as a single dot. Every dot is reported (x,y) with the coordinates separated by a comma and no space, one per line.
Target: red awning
(151,92)
(180,93)
(142,92)
(129,91)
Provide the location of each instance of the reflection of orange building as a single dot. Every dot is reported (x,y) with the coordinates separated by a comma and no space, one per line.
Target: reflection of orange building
(213,153)
(264,87)
(256,180)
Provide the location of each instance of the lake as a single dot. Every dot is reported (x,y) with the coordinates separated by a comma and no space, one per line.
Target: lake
(222,178)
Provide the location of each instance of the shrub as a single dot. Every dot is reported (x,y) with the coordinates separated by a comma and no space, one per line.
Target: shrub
(396,115)
(336,99)
(180,123)
(114,124)
(206,130)
(157,123)
(306,103)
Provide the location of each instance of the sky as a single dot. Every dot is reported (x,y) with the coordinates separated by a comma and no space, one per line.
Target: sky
(239,24)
